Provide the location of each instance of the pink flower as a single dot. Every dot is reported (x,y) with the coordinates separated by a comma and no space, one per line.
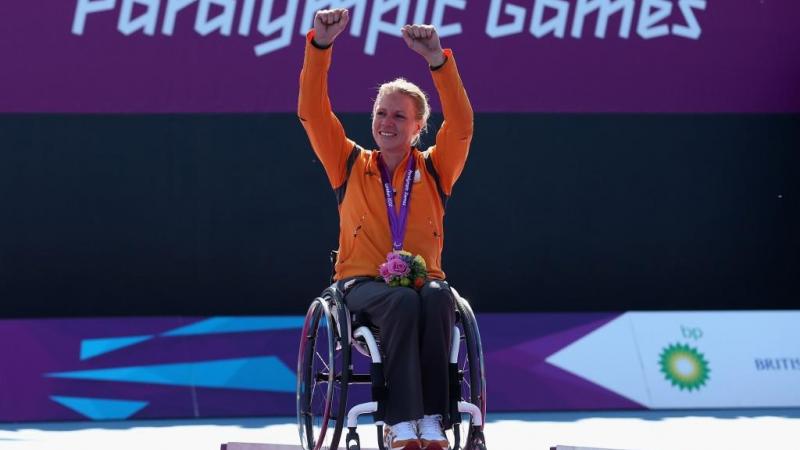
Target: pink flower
(384,272)
(398,267)
(392,255)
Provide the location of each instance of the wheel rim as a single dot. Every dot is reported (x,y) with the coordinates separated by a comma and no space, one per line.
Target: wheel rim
(321,385)
(473,386)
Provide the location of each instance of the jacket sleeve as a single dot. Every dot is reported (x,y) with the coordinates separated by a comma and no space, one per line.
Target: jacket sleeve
(314,111)
(452,141)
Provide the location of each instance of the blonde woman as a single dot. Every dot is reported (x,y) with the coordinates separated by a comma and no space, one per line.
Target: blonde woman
(391,204)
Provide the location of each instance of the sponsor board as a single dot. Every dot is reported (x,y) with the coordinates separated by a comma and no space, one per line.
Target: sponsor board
(158,367)
(157,56)
(718,359)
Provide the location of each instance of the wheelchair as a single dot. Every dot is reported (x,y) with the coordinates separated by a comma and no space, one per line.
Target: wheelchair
(325,374)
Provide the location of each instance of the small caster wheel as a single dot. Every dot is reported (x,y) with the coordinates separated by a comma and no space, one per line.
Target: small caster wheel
(352,440)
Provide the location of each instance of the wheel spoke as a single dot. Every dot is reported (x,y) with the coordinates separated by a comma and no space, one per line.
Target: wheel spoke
(323,362)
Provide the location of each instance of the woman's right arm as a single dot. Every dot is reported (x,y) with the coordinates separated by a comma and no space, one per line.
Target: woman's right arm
(314,108)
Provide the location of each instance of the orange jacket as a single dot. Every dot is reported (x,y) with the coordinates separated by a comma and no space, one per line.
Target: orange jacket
(364,235)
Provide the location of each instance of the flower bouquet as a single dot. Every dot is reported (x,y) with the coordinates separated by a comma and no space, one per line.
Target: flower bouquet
(403,269)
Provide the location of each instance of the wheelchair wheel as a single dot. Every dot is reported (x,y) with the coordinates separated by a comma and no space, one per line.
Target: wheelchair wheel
(470,361)
(322,377)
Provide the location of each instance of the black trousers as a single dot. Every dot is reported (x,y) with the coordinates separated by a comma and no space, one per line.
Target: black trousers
(415,330)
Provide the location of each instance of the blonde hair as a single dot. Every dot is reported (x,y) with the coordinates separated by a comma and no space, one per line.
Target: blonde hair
(417,96)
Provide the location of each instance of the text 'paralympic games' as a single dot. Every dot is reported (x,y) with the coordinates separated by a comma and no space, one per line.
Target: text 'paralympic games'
(278,22)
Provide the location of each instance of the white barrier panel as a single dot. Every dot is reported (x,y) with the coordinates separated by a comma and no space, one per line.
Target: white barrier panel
(666,360)
(567,447)
(251,446)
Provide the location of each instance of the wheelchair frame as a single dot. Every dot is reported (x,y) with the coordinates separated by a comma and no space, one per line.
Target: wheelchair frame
(325,373)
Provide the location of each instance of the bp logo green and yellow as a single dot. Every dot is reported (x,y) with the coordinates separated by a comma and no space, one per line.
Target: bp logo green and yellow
(684,366)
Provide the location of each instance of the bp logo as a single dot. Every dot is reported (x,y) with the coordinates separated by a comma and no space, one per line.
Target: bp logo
(684,366)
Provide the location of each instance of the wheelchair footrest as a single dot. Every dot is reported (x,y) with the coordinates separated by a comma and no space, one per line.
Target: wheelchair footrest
(472,410)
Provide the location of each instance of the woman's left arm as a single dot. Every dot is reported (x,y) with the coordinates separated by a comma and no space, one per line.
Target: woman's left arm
(453,139)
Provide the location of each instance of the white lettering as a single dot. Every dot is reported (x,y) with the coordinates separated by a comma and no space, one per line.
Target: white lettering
(223,22)
(128,25)
(547,18)
(419,13)
(438,17)
(247,17)
(606,9)
(86,7)
(173,8)
(647,28)
(556,25)
(268,26)
(377,25)
(692,28)
(493,27)
(357,9)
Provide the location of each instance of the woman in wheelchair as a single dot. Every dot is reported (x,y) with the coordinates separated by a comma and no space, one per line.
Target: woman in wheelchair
(414,313)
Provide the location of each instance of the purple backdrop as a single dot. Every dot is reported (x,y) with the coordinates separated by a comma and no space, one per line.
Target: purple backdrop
(45,361)
(156,56)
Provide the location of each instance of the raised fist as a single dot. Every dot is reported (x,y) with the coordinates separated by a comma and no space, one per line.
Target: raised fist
(424,40)
(328,23)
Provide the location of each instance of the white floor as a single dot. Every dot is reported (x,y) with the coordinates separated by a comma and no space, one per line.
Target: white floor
(674,430)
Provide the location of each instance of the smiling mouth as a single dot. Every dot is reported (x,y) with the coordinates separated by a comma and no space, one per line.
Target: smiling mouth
(386,134)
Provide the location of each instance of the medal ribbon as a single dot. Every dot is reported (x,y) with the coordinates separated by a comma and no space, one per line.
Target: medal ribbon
(398,219)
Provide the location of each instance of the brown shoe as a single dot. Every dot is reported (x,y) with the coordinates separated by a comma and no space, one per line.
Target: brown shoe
(401,436)
(431,433)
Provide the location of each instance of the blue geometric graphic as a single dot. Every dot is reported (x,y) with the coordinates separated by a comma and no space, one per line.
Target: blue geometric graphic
(94,347)
(217,325)
(101,408)
(265,373)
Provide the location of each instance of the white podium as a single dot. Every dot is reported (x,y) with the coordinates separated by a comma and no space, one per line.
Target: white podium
(250,446)
(568,447)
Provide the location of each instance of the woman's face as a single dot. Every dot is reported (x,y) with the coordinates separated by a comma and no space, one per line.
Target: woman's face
(394,123)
